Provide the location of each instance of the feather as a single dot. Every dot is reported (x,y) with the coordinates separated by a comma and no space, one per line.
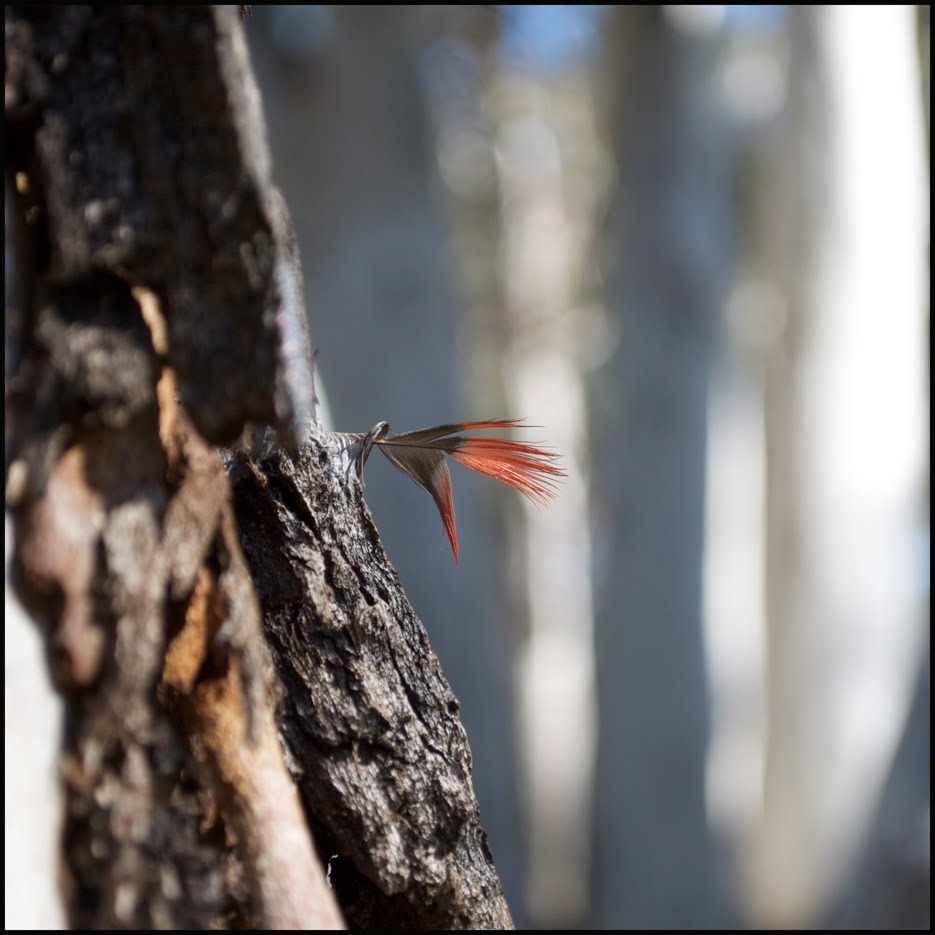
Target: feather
(420,455)
(428,468)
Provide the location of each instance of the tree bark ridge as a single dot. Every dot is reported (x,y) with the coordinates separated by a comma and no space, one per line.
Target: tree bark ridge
(369,721)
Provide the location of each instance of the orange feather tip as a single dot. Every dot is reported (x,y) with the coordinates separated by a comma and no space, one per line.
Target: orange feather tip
(440,488)
(528,468)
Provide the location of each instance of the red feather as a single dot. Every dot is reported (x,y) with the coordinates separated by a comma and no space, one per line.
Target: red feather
(441,494)
(420,455)
(525,467)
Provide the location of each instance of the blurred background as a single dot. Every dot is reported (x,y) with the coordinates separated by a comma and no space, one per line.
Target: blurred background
(691,244)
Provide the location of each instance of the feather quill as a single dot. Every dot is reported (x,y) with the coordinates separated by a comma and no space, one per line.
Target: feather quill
(420,455)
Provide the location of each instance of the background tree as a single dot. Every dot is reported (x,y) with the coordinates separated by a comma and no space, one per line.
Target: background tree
(841,230)
(667,242)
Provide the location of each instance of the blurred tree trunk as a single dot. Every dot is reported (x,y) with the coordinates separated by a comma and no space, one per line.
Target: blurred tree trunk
(354,146)
(842,227)
(151,320)
(891,883)
(667,241)
(543,237)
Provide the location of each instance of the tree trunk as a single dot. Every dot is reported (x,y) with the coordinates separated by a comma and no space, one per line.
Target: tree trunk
(654,854)
(156,314)
(842,230)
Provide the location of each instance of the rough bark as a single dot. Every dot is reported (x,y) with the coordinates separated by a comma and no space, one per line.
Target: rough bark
(369,722)
(154,317)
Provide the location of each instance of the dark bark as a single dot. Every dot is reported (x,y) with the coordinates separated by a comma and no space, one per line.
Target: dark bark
(368,719)
(155,315)
(115,119)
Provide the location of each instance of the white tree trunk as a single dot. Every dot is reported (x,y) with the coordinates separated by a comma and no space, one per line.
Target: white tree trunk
(845,418)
